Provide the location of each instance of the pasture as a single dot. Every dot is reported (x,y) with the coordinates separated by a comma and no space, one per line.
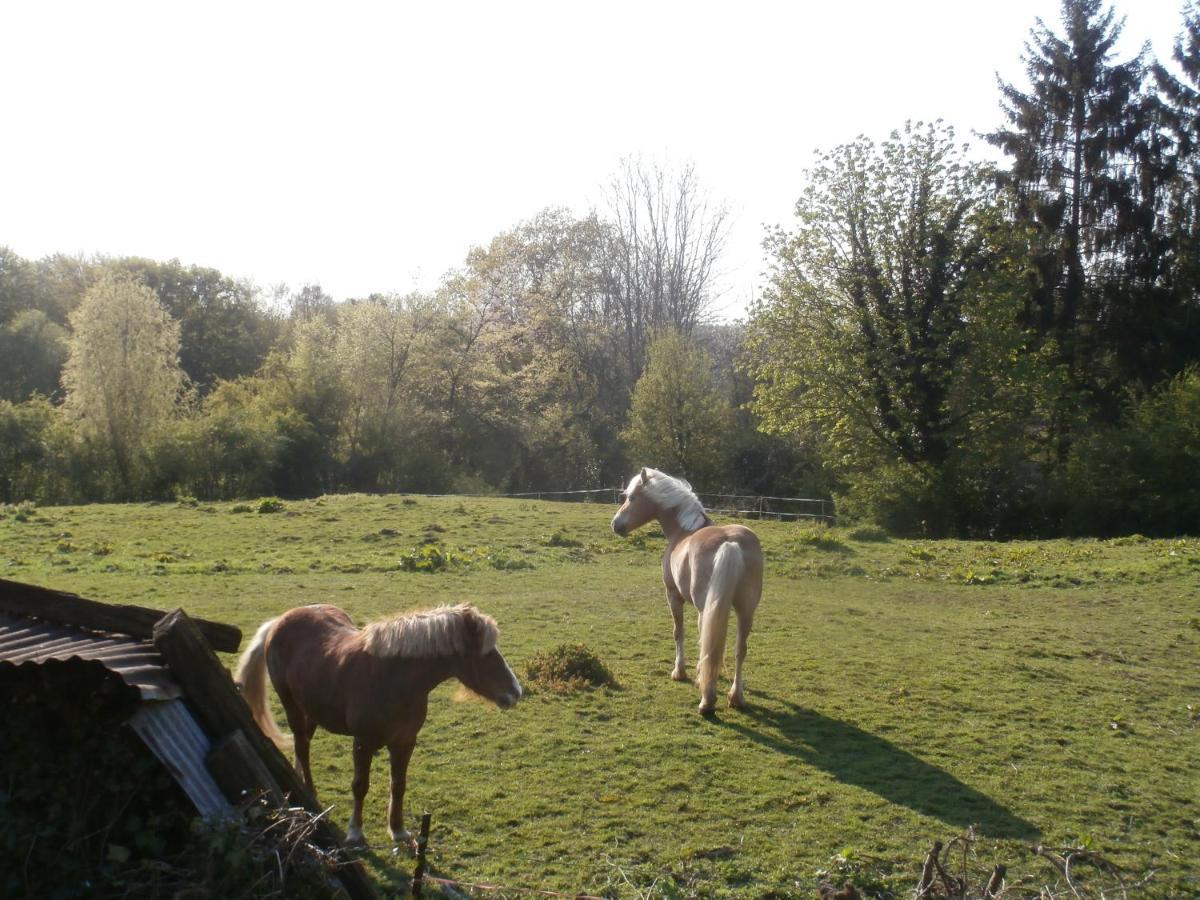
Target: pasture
(900,691)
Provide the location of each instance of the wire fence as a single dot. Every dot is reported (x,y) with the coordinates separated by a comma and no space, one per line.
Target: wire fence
(744,506)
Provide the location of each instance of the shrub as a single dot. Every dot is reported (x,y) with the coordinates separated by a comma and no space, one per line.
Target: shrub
(567,668)
(270,505)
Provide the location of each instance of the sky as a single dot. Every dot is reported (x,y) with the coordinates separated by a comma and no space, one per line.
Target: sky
(368,146)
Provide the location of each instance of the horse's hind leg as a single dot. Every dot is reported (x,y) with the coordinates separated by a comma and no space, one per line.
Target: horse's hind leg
(679,673)
(400,754)
(358,787)
(302,733)
(737,693)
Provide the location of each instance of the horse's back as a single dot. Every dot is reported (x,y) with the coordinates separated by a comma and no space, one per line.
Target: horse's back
(692,563)
(307,633)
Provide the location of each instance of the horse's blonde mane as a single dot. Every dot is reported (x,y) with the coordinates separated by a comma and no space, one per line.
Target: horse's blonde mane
(430,633)
(669,492)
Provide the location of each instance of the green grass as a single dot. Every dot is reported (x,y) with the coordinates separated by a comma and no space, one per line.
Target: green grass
(1045,692)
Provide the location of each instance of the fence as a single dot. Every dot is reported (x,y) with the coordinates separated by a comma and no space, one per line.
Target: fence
(746,506)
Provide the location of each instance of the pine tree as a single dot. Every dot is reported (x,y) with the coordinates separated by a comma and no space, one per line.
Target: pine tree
(1083,183)
(1180,115)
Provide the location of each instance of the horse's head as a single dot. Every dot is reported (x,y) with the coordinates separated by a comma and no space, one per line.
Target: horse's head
(483,670)
(637,508)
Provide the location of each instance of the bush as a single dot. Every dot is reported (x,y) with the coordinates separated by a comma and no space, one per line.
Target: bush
(1141,476)
(567,668)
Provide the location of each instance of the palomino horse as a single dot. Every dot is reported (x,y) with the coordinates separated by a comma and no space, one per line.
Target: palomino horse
(715,567)
(372,683)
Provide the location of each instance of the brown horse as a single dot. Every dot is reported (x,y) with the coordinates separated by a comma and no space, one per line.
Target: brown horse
(715,567)
(372,683)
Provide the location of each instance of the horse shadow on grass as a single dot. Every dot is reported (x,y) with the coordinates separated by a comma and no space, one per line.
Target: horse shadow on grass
(857,757)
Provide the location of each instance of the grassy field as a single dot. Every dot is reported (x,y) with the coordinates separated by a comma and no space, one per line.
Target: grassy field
(1046,693)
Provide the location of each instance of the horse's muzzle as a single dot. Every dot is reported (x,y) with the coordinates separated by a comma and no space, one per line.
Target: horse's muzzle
(508,701)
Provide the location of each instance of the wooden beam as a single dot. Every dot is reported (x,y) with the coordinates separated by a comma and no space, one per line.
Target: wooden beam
(61,608)
(238,770)
(209,690)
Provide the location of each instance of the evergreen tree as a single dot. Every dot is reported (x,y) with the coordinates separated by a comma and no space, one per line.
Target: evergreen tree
(1084,183)
(1180,114)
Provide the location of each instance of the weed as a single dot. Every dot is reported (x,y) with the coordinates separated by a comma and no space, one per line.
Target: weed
(270,505)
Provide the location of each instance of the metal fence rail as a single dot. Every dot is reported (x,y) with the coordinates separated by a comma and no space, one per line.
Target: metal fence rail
(747,506)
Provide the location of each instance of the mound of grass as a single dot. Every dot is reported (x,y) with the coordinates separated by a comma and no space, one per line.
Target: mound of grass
(270,505)
(567,668)
(869,534)
(822,540)
(562,539)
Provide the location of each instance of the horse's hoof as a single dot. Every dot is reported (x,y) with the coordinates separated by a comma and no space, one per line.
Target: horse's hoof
(737,701)
(356,841)
(708,711)
(404,839)
(680,675)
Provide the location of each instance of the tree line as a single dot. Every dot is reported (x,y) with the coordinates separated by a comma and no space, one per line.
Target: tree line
(944,346)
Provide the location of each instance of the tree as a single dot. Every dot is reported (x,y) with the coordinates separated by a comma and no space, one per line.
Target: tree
(224,334)
(32,352)
(384,358)
(1082,180)
(122,377)
(886,337)
(678,419)
(667,239)
(1180,112)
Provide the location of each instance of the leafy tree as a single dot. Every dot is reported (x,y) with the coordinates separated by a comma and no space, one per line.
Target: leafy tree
(1141,475)
(887,338)
(122,377)
(32,352)
(34,453)
(16,283)
(678,420)
(384,358)
(224,334)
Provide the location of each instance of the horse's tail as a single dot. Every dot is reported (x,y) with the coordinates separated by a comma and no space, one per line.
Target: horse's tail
(728,567)
(251,677)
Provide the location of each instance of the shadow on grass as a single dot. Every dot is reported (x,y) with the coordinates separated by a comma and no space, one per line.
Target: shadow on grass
(857,757)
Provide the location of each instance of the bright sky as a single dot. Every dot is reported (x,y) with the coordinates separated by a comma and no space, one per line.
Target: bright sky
(368,146)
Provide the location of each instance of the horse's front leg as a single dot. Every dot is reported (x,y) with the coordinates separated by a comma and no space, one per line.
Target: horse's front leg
(358,787)
(675,601)
(401,752)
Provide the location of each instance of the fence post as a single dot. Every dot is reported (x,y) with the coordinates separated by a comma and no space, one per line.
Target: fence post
(422,845)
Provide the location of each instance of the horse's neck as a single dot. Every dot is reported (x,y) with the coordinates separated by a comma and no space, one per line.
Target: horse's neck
(417,675)
(672,526)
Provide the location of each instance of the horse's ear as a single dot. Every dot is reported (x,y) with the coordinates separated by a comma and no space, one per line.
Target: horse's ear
(645,476)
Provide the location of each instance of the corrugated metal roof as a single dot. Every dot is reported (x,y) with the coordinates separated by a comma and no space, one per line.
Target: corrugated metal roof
(169,730)
(135,661)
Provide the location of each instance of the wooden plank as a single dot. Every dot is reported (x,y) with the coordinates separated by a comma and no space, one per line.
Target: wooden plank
(62,608)
(209,690)
(238,770)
